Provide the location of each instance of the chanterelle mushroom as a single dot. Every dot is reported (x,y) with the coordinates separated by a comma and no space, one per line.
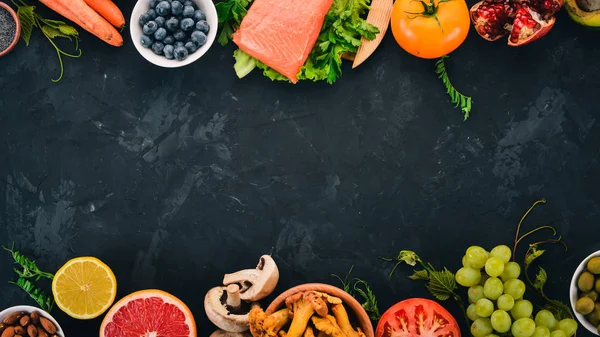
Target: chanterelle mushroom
(327,325)
(341,316)
(304,307)
(226,310)
(262,325)
(255,284)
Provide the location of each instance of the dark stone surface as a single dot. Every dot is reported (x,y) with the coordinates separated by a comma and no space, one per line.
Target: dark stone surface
(175,177)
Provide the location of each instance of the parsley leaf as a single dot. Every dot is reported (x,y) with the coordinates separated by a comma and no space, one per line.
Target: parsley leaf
(230,13)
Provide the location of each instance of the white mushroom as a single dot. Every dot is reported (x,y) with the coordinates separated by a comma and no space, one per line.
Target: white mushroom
(223,333)
(255,284)
(224,307)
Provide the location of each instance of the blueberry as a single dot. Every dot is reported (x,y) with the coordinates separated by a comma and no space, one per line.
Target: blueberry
(179,44)
(163,8)
(152,13)
(202,26)
(153,3)
(187,24)
(146,41)
(199,15)
(150,27)
(188,11)
(169,39)
(179,35)
(157,47)
(160,34)
(172,24)
(176,7)
(168,51)
(180,53)
(144,18)
(191,47)
(189,3)
(160,21)
(199,38)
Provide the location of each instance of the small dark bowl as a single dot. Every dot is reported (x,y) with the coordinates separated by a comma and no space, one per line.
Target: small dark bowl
(17,29)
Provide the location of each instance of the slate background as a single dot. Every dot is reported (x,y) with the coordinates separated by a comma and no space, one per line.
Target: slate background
(176,176)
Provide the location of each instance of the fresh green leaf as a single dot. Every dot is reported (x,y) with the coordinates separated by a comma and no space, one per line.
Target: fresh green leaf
(533,255)
(25,14)
(271,73)
(244,63)
(28,267)
(420,275)
(456,97)
(345,282)
(409,257)
(225,34)
(38,295)
(540,279)
(68,30)
(441,284)
(230,13)
(52,33)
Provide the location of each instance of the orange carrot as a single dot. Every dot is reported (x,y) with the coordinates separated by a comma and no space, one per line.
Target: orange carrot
(109,11)
(85,17)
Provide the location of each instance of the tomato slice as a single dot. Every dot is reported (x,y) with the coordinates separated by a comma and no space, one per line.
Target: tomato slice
(417,317)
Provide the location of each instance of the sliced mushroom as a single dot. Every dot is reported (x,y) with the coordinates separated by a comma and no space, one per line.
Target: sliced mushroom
(255,284)
(226,310)
(223,333)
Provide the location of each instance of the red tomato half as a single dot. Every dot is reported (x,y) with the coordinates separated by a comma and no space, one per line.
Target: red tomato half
(417,317)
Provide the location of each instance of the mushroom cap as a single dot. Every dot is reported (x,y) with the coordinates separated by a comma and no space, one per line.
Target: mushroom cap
(219,314)
(263,279)
(223,333)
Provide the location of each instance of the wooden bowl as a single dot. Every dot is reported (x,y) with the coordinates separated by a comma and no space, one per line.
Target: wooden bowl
(361,315)
(17,28)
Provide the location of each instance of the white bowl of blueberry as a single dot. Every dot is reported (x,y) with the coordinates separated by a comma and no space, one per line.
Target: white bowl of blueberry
(173,33)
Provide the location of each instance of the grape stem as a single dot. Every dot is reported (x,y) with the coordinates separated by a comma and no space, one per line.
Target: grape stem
(517,238)
(540,291)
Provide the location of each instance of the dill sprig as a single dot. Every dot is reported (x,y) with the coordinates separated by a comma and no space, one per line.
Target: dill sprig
(361,287)
(456,97)
(30,269)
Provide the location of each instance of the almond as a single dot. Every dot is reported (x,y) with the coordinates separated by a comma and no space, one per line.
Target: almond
(47,325)
(18,336)
(32,331)
(8,332)
(42,333)
(13,318)
(35,317)
(24,320)
(19,330)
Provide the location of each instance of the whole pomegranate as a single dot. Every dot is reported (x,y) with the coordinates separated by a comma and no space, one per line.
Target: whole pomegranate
(524,20)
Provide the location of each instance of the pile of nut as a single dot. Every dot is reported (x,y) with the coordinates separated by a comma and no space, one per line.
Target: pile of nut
(22,324)
(589,292)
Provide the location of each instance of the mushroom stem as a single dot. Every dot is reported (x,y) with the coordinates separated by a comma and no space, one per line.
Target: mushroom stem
(233,296)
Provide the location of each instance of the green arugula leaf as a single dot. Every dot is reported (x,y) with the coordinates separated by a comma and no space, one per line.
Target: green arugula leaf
(28,267)
(441,284)
(370,302)
(25,14)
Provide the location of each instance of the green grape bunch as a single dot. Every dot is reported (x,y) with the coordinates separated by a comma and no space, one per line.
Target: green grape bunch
(496,298)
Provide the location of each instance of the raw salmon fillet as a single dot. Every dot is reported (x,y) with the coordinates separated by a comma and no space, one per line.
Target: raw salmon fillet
(281,33)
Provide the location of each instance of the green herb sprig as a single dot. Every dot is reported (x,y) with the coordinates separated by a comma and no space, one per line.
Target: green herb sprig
(51,30)
(558,308)
(46,302)
(361,287)
(456,97)
(231,13)
(28,274)
(441,283)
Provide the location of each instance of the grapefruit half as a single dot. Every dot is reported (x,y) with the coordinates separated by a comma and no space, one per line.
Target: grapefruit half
(149,313)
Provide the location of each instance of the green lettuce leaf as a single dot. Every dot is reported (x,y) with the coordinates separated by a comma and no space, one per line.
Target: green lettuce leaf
(244,63)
